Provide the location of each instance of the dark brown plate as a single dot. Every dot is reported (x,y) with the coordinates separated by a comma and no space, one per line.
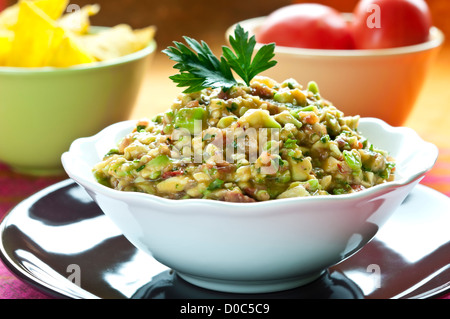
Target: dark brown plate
(59,241)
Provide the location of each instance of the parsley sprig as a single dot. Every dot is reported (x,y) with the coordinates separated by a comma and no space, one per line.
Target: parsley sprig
(200,68)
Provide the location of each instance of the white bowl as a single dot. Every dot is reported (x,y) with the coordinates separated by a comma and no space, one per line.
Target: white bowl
(253,247)
(382,83)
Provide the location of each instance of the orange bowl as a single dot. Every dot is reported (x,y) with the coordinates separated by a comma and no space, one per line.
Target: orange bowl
(382,83)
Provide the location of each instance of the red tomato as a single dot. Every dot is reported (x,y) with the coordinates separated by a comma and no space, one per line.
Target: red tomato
(390,23)
(312,26)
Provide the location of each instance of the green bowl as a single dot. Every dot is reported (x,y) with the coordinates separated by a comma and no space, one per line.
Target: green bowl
(43,110)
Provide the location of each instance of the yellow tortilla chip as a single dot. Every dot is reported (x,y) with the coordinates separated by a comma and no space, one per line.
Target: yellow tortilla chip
(68,54)
(78,21)
(40,34)
(53,8)
(34,33)
(144,36)
(115,42)
(6,38)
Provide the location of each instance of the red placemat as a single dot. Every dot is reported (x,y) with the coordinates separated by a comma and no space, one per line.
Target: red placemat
(14,188)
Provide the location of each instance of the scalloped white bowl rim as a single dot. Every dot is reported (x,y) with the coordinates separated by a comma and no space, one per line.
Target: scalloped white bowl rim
(86,178)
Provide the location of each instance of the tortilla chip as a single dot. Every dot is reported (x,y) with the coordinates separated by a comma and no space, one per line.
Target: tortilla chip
(40,34)
(78,21)
(6,38)
(34,33)
(144,36)
(53,8)
(68,53)
(115,42)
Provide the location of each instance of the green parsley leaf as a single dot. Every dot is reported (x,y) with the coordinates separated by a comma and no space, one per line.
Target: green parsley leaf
(241,61)
(200,68)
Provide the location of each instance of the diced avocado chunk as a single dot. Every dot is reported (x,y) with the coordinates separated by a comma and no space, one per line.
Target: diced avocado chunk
(187,117)
(286,117)
(353,159)
(159,162)
(158,118)
(258,118)
(300,166)
(351,121)
(294,96)
(216,184)
(313,87)
(172,185)
(283,97)
(225,122)
(333,124)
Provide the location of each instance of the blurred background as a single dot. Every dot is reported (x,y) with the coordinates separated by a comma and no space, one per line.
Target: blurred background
(208,20)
